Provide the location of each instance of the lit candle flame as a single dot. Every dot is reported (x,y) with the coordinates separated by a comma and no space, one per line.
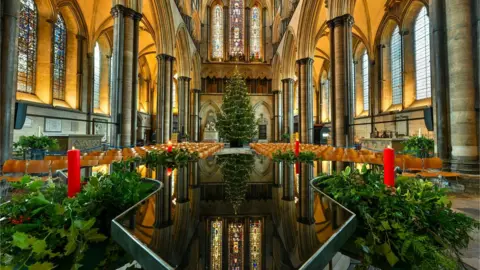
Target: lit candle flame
(73,147)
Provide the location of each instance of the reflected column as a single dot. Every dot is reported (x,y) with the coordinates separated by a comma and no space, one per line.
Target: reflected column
(289,182)
(278,174)
(182,184)
(306,195)
(163,199)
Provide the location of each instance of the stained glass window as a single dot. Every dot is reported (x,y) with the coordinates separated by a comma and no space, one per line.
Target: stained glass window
(236,27)
(366,81)
(217,32)
(27,46)
(255,35)
(59,54)
(326,96)
(255,244)
(97,67)
(216,245)
(396,56)
(422,55)
(235,245)
(174,93)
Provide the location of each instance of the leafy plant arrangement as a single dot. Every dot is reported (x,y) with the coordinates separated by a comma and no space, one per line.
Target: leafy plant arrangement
(177,158)
(419,146)
(44,229)
(410,226)
(29,143)
(286,137)
(289,157)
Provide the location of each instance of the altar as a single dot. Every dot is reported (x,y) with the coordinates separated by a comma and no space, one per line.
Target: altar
(82,142)
(378,144)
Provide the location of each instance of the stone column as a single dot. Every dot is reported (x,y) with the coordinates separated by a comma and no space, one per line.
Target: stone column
(182,104)
(247,33)
(167,104)
(464,139)
(277,118)
(8,77)
(476,23)
(159,118)
(125,53)
(306,195)
(305,94)
(196,111)
(439,77)
(287,85)
(341,53)
(226,32)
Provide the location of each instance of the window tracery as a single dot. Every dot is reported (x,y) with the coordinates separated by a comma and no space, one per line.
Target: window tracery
(27,46)
(422,55)
(59,55)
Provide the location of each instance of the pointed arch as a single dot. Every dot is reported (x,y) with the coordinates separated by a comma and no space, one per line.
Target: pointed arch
(183,54)
(289,54)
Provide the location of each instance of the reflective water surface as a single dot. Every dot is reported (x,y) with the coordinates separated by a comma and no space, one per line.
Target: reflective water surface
(235,212)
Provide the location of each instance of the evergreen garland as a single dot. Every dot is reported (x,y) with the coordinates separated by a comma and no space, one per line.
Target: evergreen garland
(236,122)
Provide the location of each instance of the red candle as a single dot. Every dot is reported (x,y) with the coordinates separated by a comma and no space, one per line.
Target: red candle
(169,149)
(169,171)
(388,167)
(73,172)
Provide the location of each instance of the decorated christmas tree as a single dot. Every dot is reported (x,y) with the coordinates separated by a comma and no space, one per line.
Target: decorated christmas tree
(236,121)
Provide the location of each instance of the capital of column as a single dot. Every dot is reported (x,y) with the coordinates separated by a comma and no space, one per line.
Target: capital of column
(118,10)
(184,78)
(305,61)
(346,19)
(276,92)
(164,57)
(80,37)
(287,80)
(196,90)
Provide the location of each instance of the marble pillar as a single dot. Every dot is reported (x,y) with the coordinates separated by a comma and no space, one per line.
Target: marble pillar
(464,138)
(341,59)
(196,111)
(125,53)
(440,77)
(8,76)
(287,90)
(305,101)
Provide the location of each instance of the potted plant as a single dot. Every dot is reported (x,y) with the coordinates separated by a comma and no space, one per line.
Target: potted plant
(36,146)
(419,146)
(409,226)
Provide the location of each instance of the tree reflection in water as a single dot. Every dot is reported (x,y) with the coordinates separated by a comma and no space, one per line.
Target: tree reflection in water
(236,170)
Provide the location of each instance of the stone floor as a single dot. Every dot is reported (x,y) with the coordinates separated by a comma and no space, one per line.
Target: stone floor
(470,205)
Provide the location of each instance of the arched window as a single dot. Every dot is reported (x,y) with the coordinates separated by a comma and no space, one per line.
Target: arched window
(96,76)
(365,80)
(236,27)
(27,46)
(255,34)
(174,93)
(59,53)
(422,55)
(217,32)
(325,90)
(396,66)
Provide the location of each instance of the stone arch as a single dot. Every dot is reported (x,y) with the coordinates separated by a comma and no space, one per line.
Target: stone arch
(166,37)
(277,21)
(277,72)
(197,26)
(182,50)
(289,53)
(264,108)
(308,23)
(337,8)
(205,109)
(196,72)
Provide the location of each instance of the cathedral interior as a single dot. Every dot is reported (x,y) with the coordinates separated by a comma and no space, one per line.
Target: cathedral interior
(356,70)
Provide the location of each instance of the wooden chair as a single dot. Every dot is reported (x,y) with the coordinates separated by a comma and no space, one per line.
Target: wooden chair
(88,163)
(13,170)
(59,165)
(53,158)
(413,164)
(38,166)
(433,163)
(91,157)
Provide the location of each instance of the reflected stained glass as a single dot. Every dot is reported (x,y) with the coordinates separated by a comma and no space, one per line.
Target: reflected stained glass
(235,246)
(255,244)
(216,245)
(255,40)
(96,76)
(59,54)
(27,46)
(236,27)
(217,32)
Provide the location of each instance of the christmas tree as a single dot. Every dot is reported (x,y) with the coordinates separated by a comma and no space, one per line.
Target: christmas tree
(236,121)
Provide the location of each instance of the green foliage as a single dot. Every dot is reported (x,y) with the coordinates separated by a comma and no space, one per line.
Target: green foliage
(43,227)
(289,157)
(410,226)
(419,146)
(26,143)
(286,137)
(176,159)
(236,171)
(236,122)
